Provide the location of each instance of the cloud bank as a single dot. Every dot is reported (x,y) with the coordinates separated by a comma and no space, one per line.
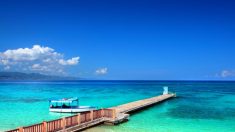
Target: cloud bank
(36,59)
(101,71)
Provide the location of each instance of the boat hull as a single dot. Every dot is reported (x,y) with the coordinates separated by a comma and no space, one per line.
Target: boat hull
(72,110)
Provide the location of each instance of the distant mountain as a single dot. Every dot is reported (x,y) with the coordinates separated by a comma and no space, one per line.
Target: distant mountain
(19,76)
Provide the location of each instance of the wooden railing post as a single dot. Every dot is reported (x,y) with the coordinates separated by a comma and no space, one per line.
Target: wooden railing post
(114,113)
(91,114)
(102,112)
(79,118)
(21,129)
(63,123)
(44,126)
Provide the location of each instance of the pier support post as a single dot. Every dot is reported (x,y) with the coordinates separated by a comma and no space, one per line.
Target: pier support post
(91,114)
(21,129)
(63,123)
(79,118)
(44,129)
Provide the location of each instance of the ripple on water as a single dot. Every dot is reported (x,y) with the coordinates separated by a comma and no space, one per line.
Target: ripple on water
(200,112)
(22,100)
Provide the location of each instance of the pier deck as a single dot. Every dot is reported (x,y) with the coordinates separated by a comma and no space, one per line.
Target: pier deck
(132,106)
(113,115)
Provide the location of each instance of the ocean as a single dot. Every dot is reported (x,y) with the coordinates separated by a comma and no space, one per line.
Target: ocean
(200,106)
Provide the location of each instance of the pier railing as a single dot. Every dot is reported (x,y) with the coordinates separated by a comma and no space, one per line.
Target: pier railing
(97,114)
(54,125)
(35,128)
(15,130)
(71,121)
(66,122)
(109,113)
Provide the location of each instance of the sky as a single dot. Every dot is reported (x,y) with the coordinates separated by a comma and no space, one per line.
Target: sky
(119,39)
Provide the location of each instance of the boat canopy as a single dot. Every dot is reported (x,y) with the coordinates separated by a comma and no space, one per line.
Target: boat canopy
(64,100)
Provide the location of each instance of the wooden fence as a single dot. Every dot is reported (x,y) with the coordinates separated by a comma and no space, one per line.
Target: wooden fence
(97,114)
(15,130)
(34,128)
(66,122)
(55,125)
(109,113)
(71,121)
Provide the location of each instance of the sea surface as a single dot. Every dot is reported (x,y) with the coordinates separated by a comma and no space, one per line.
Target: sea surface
(199,106)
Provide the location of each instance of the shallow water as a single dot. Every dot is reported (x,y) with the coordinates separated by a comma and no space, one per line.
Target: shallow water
(200,106)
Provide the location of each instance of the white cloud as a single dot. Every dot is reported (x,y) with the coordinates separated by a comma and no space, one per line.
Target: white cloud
(226,73)
(101,71)
(28,54)
(72,61)
(38,67)
(38,58)
(46,60)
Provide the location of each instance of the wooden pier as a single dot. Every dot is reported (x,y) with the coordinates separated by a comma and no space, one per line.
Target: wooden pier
(133,106)
(81,121)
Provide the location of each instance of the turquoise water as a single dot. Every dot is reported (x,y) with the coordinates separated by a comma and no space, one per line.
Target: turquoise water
(200,106)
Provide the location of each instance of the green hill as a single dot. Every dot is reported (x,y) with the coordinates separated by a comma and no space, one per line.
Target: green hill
(11,76)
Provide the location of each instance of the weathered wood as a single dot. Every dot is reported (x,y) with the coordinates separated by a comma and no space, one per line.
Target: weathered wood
(63,123)
(91,115)
(21,129)
(79,118)
(44,126)
(114,113)
(14,130)
(102,112)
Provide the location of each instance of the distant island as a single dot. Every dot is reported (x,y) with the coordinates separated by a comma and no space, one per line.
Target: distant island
(19,76)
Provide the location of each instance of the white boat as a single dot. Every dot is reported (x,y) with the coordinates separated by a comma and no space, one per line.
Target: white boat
(70,105)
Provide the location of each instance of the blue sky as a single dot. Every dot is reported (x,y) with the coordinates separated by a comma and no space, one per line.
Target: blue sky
(123,39)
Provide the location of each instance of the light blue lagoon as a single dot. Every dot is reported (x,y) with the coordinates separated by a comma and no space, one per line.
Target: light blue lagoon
(200,106)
